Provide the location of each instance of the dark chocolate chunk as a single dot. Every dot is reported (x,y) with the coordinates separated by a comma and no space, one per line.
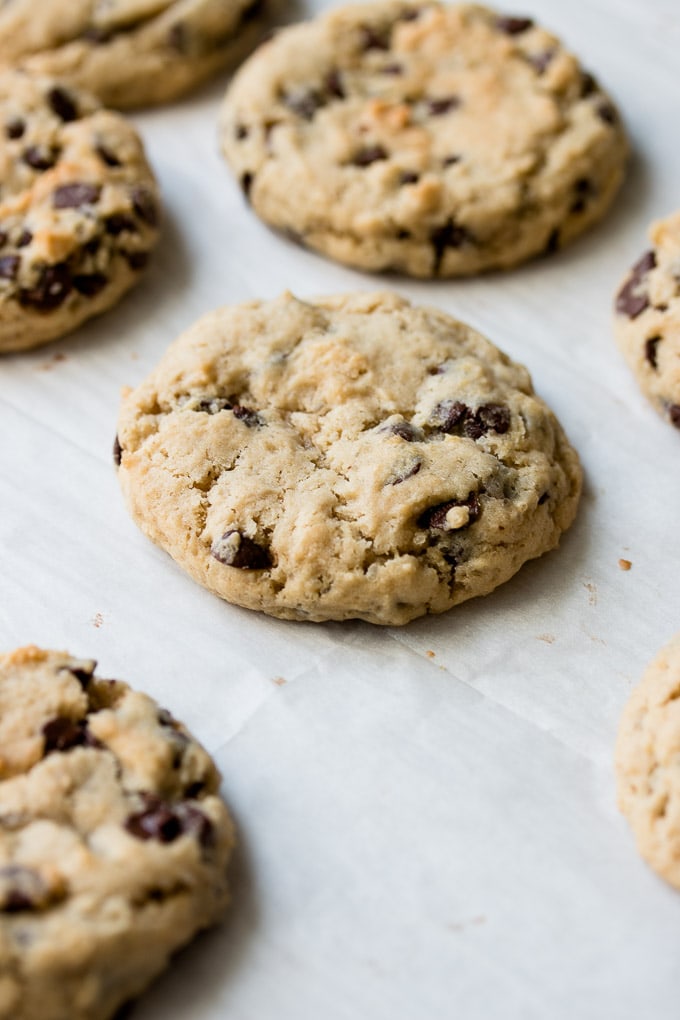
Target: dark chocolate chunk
(404,429)
(156,821)
(403,475)
(237,550)
(588,85)
(514,26)
(117,452)
(3,238)
(90,284)
(448,414)
(650,349)
(487,418)
(107,156)
(451,160)
(15,128)
(196,824)
(374,38)
(408,177)
(240,132)
(145,206)
(62,104)
(393,69)
(583,190)
(304,103)
(674,414)
(83,674)
(333,84)
(53,287)
(136,259)
(249,417)
(21,889)
(118,223)
(544,498)
(194,789)
(212,405)
(435,516)
(24,239)
(247,184)
(553,242)
(632,299)
(451,235)
(73,196)
(39,158)
(369,154)
(437,107)
(606,112)
(62,734)
(9,267)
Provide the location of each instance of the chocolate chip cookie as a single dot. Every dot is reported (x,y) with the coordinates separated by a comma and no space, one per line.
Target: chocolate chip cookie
(79,209)
(647,763)
(428,139)
(127,52)
(352,457)
(113,840)
(647,321)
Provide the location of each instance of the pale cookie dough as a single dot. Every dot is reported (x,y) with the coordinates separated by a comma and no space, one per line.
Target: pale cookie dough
(422,138)
(648,763)
(113,839)
(647,323)
(352,457)
(127,52)
(79,209)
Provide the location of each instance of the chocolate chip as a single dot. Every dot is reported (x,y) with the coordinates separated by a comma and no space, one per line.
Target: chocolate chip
(374,39)
(249,417)
(487,418)
(74,196)
(437,107)
(584,190)
(194,789)
(53,287)
(145,206)
(541,61)
(333,84)
(247,184)
(155,821)
(237,550)
(435,516)
(408,177)
(304,103)
(15,128)
(650,349)
(240,132)
(167,719)
(107,156)
(117,452)
(404,429)
(136,259)
(588,85)
(97,36)
(178,38)
(212,405)
(195,823)
(514,26)
(3,238)
(606,112)
(451,160)
(632,300)
(674,415)
(403,475)
(451,235)
(544,498)
(403,235)
(553,243)
(62,104)
(9,267)
(118,223)
(21,889)
(393,69)
(369,154)
(90,284)
(62,734)
(448,414)
(24,239)
(83,674)
(39,158)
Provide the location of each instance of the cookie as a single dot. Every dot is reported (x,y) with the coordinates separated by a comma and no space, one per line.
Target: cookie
(647,323)
(647,763)
(352,457)
(129,53)
(427,139)
(78,209)
(113,839)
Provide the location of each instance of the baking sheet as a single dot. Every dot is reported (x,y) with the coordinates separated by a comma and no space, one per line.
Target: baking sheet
(426,815)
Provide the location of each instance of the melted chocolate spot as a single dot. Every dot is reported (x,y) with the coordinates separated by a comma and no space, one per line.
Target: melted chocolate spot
(448,414)
(408,177)
(39,158)
(249,417)
(304,103)
(63,104)
(404,429)
(514,26)
(451,235)
(9,267)
(407,474)
(588,85)
(369,154)
(650,349)
(487,418)
(155,821)
(53,287)
(74,196)
(118,223)
(333,84)
(237,550)
(145,206)
(632,300)
(62,734)
(90,284)
(374,39)
(83,675)
(15,128)
(437,107)
(544,498)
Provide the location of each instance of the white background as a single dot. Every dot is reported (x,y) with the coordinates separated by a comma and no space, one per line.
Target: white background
(421,836)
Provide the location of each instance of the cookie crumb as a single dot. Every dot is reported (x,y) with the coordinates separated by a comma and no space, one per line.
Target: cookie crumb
(625,564)
(279,681)
(548,638)
(97,620)
(429,654)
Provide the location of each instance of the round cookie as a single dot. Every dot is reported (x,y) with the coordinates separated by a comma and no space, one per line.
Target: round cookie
(78,209)
(647,758)
(113,839)
(352,457)
(129,53)
(424,138)
(647,323)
